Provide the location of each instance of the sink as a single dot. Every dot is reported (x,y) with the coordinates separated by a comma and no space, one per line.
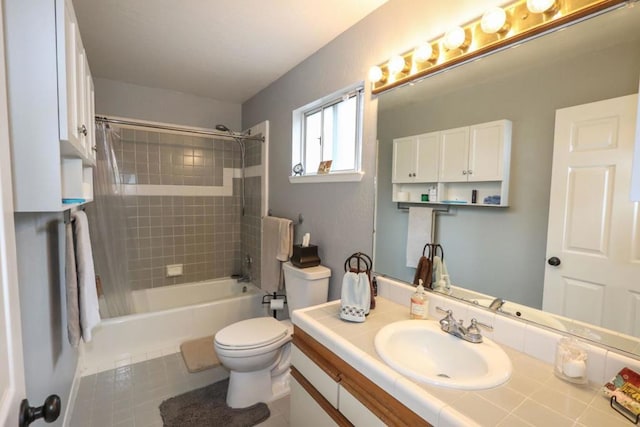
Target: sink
(421,351)
(526,313)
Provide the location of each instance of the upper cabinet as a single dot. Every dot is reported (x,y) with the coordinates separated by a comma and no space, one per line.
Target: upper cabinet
(51,106)
(463,165)
(475,153)
(415,158)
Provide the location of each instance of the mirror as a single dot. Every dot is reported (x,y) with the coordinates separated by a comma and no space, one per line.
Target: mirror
(496,251)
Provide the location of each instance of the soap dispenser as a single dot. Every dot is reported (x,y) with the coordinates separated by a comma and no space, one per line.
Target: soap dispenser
(419,305)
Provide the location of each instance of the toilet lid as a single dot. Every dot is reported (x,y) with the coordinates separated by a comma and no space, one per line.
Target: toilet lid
(252,333)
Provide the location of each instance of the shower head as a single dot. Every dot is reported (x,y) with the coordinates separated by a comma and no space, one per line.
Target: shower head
(223,128)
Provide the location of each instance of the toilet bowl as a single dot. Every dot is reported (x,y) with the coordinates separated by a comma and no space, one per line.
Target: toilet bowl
(257,351)
(252,349)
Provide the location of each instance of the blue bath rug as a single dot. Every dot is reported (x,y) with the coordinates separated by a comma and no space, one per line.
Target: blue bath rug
(207,406)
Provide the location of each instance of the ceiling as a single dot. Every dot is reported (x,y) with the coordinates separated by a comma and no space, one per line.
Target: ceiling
(226,50)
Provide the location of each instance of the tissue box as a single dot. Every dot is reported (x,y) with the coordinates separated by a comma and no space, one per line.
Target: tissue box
(305,256)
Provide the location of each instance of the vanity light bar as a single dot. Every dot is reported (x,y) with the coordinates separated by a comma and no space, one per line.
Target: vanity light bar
(476,38)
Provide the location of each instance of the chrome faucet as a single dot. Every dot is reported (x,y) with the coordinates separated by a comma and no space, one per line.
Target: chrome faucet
(456,328)
(496,304)
(246,278)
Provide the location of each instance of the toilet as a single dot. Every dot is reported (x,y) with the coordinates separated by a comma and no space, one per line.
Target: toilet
(257,351)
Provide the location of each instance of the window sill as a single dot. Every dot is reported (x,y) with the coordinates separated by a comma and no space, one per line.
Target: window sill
(331,177)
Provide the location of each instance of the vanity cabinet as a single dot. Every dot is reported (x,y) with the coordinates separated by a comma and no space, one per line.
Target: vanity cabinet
(454,163)
(51,106)
(326,388)
(415,158)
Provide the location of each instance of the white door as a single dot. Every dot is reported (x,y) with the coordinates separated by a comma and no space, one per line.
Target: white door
(486,151)
(403,160)
(427,157)
(454,155)
(593,241)
(12,387)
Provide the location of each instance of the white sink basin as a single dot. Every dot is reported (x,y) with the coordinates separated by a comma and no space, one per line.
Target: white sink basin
(421,351)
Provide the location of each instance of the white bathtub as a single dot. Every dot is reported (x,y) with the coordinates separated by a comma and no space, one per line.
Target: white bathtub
(166,317)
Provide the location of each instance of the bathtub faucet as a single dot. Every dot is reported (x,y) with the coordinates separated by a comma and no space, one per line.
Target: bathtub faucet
(246,278)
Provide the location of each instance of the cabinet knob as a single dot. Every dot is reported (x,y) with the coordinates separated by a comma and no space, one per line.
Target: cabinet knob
(470,172)
(554,261)
(83,130)
(94,148)
(409,174)
(464,172)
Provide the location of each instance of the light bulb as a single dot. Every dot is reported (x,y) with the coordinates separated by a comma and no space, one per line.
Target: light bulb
(423,52)
(455,38)
(375,74)
(396,64)
(494,20)
(540,6)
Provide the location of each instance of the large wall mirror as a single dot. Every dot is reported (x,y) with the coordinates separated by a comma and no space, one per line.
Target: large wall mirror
(502,251)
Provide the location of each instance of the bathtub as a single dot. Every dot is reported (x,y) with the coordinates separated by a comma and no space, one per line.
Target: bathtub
(166,317)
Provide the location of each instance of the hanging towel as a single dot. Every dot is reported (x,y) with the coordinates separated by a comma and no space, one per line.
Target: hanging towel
(418,233)
(277,247)
(74,333)
(356,297)
(437,271)
(89,309)
(423,272)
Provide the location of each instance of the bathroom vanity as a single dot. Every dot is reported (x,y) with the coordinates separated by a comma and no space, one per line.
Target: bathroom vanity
(339,379)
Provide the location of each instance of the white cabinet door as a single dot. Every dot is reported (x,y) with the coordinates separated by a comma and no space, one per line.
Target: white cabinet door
(427,148)
(403,160)
(487,150)
(454,155)
(593,260)
(69,77)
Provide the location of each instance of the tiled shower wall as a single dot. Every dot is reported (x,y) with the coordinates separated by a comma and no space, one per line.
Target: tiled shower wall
(252,220)
(203,233)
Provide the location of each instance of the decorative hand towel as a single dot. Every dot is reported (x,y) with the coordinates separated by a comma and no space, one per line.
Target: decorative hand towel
(437,270)
(423,272)
(418,233)
(74,333)
(277,247)
(355,298)
(89,309)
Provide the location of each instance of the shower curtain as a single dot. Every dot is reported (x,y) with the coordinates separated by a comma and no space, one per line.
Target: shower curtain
(107,219)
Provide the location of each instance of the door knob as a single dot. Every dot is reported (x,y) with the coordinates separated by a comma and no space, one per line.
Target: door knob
(554,261)
(49,411)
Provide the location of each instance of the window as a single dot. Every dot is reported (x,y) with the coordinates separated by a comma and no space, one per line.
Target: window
(329,129)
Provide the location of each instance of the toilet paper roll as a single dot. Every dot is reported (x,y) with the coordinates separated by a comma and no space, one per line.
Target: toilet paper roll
(276,304)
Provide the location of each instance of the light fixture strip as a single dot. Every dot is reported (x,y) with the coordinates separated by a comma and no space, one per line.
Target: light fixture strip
(522,24)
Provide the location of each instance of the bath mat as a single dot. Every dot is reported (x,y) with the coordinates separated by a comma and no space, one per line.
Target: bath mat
(199,354)
(207,407)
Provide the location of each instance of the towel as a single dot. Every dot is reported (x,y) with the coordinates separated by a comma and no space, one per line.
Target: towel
(89,309)
(277,247)
(356,297)
(418,233)
(437,271)
(74,333)
(423,272)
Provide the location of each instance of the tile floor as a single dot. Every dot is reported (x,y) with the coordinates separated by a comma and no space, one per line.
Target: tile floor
(129,396)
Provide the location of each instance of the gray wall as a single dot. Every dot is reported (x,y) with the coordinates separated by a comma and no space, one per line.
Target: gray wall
(493,250)
(49,361)
(161,105)
(339,216)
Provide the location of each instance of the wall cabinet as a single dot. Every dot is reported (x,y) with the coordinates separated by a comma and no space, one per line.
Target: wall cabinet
(51,104)
(415,158)
(456,162)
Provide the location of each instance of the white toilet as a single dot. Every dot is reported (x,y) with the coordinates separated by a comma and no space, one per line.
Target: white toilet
(257,351)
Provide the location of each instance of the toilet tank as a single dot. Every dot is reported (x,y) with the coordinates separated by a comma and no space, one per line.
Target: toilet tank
(306,286)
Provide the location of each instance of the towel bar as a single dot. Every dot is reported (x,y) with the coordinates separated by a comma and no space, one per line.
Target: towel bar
(298,222)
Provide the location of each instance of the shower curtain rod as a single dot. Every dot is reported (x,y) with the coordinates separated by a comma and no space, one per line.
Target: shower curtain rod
(202,132)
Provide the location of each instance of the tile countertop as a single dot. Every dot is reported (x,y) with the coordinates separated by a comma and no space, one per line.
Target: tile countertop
(533,396)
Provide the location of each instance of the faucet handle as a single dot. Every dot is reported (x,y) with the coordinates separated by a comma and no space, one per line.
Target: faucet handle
(442,310)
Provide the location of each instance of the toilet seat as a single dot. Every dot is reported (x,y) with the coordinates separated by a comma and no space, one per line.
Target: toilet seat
(251,334)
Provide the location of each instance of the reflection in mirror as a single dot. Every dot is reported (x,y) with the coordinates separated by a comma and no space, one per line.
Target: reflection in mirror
(502,251)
